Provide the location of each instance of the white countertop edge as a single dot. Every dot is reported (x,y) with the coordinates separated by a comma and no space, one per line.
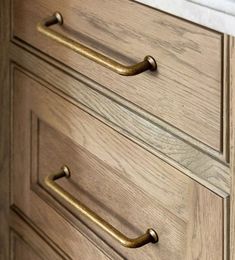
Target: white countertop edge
(214,19)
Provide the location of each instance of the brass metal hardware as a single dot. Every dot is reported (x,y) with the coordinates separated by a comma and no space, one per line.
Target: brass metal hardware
(148,63)
(149,236)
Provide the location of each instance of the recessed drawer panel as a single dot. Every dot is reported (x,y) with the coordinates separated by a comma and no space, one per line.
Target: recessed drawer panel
(185,91)
(125,185)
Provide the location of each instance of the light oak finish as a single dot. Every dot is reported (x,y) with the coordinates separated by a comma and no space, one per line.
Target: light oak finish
(232,149)
(148,132)
(186,92)
(153,150)
(27,244)
(128,186)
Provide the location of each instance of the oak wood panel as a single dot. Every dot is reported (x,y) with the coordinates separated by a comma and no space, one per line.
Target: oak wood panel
(118,201)
(148,132)
(183,204)
(226,97)
(87,174)
(186,91)
(74,241)
(22,251)
(232,148)
(28,245)
(4,127)
(67,238)
(205,208)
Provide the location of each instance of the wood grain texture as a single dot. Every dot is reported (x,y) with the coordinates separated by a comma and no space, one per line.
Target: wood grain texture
(67,237)
(110,167)
(206,207)
(232,149)
(26,244)
(187,90)
(21,250)
(148,132)
(226,97)
(4,127)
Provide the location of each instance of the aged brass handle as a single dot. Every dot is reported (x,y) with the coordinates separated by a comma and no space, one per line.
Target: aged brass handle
(149,236)
(148,63)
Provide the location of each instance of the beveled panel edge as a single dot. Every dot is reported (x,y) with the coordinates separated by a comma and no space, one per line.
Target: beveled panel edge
(226,227)
(225,99)
(17,211)
(201,167)
(15,235)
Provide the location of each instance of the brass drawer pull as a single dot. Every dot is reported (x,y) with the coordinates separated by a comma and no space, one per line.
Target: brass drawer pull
(147,64)
(149,236)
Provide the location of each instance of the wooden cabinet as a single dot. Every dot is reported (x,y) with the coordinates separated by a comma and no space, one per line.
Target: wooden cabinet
(126,185)
(149,151)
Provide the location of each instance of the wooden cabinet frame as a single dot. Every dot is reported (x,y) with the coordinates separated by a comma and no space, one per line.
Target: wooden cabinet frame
(5,134)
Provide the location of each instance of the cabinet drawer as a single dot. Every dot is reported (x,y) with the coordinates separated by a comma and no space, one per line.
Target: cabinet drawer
(186,90)
(124,184)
